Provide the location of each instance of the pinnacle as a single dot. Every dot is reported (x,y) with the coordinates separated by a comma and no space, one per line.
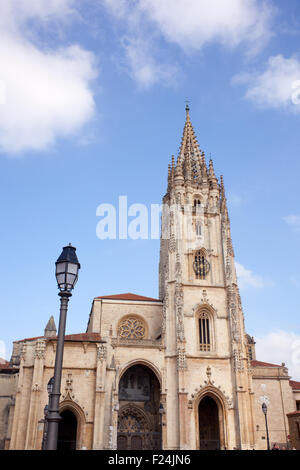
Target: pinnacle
(50,329)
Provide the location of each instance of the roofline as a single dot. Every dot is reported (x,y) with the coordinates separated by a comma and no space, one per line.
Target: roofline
(69,337)
(128,301)
(267,365)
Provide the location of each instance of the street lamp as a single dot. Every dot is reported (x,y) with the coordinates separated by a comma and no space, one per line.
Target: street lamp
(46,409)
(67,267)
(265,410)
(161,412)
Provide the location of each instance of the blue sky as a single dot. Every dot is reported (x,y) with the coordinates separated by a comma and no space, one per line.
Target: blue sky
(92,107)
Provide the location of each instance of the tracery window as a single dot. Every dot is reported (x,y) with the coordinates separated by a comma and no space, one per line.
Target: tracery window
(201,265)
(132,328)
(204,332)
(132,419)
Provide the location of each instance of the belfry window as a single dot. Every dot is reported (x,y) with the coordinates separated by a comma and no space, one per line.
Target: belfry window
(201,265)
(204,332)
(198,229)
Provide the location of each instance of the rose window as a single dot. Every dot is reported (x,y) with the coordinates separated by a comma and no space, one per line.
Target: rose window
(132,328)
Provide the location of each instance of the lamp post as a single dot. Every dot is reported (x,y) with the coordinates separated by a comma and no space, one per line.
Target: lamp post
(265,410)
(161,412)
(46,409)
(67,267)
(45,427)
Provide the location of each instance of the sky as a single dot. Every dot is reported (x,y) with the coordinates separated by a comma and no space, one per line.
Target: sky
(92,106)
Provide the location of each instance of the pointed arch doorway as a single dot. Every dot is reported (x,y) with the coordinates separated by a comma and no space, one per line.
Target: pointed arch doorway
(139,424)
(209,424)
(67,431)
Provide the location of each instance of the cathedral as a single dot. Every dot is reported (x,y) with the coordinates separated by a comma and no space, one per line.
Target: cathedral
(178,372)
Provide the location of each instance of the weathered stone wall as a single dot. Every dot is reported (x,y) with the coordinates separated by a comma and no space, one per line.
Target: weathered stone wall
(7,393)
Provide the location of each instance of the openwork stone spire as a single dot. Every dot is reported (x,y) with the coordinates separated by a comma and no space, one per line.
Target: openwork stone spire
(191,168)
(189,153)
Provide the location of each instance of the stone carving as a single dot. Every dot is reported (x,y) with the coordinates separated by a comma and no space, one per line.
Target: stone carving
(23,351)
(233,309)
(132,419)
(172,245)
(36,388)
(101,352)
(228,269)
(179,302)
(238,363)
(69,394)
(40,348)
(209,385)
(137,343)
(181,359)
(69,382)
(230,251)
(235,326)
(204,302)
(164,313)
(208,373)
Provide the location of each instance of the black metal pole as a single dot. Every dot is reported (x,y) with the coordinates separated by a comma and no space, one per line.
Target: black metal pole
(160,433)
(45,428)
(53,416)
(267,430)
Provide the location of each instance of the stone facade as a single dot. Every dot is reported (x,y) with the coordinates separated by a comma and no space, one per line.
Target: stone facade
(178,372)
(8,381)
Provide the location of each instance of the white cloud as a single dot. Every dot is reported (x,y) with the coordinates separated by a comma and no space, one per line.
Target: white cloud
(247,278)
(45,94)
(143,67)
(278,86)
(280,346)
(293,221)
(191,24)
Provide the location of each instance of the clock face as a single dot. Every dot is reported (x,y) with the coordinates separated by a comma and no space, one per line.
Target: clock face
(201,266)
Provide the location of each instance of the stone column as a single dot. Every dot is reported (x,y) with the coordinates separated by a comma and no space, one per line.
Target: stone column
(18,428)
(37,381)
(100,396)
(182,399)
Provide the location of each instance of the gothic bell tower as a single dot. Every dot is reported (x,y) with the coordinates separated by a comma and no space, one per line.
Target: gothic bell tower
(203,324)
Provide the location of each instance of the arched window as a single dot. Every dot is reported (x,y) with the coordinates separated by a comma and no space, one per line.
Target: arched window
(198,229)
(201,265)
(205,336)
(197,203)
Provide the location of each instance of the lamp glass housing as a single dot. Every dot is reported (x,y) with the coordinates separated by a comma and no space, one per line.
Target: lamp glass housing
(67,267)
(50,385)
